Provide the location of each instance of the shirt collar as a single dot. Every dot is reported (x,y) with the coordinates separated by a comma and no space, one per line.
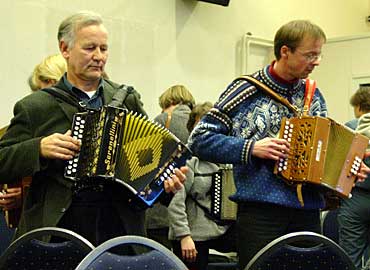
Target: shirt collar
(277,77)
(80,93)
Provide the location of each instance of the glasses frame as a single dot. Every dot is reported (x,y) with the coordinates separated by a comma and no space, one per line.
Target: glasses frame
(310,57)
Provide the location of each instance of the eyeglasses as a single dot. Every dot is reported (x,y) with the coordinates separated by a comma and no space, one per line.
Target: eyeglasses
(310,57)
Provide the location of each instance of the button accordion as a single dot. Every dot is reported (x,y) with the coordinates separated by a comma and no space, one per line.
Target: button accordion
(222,208)
(121,146)
(322,152)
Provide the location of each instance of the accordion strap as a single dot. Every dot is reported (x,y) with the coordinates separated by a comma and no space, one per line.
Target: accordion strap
(168,120)
(63,95)
(209,214)
(309,92)
(119,98)
(270,92)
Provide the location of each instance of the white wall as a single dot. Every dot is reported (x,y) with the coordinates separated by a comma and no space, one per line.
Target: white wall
(346,63)
(157,43)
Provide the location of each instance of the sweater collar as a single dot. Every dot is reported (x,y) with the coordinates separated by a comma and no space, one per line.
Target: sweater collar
(278,84)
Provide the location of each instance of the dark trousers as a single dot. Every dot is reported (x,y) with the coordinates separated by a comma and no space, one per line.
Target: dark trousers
(93,215)
(260,223)
(224,243)
(354,225)
(95,223)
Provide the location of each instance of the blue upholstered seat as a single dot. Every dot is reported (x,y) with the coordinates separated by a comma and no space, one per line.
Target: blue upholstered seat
(31,252)
(156,256)
(303,251)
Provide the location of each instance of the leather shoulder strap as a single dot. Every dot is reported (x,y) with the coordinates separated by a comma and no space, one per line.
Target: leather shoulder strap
(121,95)
(63,95)
(168,120)
(270,92)
(308,95)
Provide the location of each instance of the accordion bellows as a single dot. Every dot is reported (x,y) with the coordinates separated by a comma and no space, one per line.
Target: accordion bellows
(322,152)
(127,148)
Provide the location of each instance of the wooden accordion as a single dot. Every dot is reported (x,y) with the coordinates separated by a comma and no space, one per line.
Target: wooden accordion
(322,152)
(121,146)
(222,187)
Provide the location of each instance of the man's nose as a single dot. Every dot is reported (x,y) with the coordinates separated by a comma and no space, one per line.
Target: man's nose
(98,54)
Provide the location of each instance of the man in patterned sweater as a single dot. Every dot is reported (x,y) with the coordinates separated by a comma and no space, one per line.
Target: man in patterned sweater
(241,129)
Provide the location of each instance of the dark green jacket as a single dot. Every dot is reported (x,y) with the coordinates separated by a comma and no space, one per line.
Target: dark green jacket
(36,116)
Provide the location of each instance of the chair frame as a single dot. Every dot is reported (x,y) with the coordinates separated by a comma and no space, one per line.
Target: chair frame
(129,239)
(47,231)
(296,237)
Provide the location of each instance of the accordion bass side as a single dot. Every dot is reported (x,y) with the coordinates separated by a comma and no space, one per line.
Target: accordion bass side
(222,187)
(126,148)
(322,152)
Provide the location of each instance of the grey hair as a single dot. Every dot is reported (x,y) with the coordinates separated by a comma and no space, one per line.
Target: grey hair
(69,26)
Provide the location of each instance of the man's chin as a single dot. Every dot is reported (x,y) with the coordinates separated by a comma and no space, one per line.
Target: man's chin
(96,75)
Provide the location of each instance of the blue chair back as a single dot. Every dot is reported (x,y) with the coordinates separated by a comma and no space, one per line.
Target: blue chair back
(31,252)
(156,257)
(301,250)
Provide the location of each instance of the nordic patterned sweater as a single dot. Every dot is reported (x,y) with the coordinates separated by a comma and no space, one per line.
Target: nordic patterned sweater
(243,115)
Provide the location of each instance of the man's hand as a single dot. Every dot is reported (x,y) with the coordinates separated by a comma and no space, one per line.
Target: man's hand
(11,198)
(271,148)
(59,146)
(176,181)
(364,170)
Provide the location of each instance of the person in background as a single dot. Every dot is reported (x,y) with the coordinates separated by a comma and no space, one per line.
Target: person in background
(176,104)
(48,72)
(242,130)
(191,229)
(353,214)
(38,142)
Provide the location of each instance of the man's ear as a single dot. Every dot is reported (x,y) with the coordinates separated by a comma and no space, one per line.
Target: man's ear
(284,51)
(63,47)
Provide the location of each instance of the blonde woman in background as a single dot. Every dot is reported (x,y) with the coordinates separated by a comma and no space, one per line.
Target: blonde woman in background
(48,72)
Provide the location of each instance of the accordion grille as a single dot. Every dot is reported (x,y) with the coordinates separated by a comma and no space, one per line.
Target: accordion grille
(146,146)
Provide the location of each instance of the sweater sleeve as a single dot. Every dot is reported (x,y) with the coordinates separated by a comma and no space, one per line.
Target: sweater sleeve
(212,139)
